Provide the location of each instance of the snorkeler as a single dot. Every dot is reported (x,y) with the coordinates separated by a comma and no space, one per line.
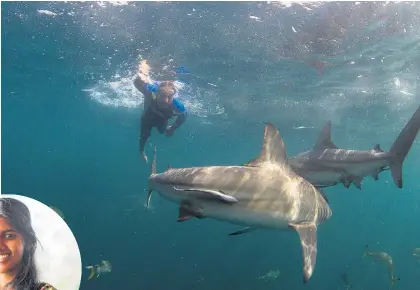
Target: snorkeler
(17,248)
(160,105)
(104,267)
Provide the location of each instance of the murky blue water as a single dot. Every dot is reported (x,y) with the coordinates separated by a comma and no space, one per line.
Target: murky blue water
(70,125)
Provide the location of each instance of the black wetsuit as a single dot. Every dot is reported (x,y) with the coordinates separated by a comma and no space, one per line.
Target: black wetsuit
(155,117)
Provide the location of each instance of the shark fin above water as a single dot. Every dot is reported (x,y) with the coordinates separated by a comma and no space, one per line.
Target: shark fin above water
(273,149)
(324,138)
(308,240)
(209,194)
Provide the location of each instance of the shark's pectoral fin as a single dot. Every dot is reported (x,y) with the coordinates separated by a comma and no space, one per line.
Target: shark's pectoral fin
(201,193)
(308,240)
(184,215)
(243,231)
(187,211)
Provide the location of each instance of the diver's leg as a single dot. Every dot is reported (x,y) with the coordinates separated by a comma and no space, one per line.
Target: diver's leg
(162,125)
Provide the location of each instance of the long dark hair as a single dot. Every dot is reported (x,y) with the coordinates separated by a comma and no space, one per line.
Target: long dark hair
(19,217)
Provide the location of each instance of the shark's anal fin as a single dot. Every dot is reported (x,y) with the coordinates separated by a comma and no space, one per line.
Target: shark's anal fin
(273,149)
(243,231)
(308,240)
(324,138)
(209,194)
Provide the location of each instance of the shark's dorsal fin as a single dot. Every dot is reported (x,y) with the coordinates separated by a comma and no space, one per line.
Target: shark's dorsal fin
(273,149)
(324,139)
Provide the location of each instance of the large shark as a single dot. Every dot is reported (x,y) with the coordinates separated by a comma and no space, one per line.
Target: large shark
(265,193)
(326,165)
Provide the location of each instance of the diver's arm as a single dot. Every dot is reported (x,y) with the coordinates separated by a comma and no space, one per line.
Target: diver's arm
(181,116)
(142,78)
(179,120)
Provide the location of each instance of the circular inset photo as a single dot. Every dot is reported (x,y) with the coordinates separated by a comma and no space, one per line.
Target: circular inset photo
(37,249)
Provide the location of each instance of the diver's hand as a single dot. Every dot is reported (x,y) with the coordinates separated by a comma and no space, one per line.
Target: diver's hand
(169,131)
(144,156)
(143,70)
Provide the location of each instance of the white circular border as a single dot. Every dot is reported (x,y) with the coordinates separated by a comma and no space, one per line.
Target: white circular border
(57,256)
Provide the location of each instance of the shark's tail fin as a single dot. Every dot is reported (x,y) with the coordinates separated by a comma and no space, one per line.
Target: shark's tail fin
(393,280)
(402,145)
(152,172)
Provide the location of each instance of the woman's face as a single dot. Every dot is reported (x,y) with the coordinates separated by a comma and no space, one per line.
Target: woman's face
(11,247)
(164,101)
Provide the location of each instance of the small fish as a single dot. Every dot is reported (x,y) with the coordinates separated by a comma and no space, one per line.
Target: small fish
(104,267)
(58,211)
(271,275)
(384,257)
